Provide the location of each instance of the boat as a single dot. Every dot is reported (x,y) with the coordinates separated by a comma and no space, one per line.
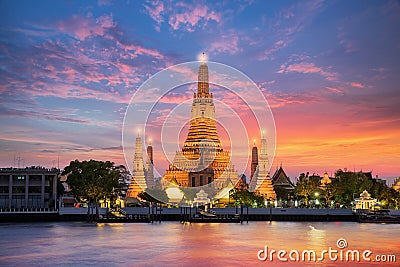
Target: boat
(378,216)
(209,213)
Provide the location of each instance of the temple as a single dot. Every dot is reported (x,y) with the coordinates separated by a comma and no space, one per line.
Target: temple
(142,175)
(254,160)
(149,170)
(282,184)
(261,182)
(396,184)
(202,160)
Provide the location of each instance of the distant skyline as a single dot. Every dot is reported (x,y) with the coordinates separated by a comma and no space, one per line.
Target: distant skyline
(329,70)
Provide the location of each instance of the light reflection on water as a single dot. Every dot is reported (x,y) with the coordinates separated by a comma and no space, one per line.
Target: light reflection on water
(175,244)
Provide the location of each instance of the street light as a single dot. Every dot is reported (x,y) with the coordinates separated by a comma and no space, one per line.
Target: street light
(316,194)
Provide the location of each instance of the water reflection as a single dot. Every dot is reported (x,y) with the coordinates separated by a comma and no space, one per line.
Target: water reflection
(316,237)
(175,244)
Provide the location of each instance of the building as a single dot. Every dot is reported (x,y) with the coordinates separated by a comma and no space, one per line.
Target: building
(241,184)
(261,182)
(202,160)
(254,160)
(283,186)
(138,181)
(34,187)
(325,180)
(368,175)
(149,170)
(365,201)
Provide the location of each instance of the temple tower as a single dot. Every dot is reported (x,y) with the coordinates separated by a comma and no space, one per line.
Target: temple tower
(138,180)
(150,167)
(254,160)
(261,182)
(202,159)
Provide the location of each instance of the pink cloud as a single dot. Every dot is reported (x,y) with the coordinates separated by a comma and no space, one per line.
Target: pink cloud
(226,43)
(333,89)
(357,85)
(155,12)
(307,68)
(140,50)
(268,54)
(278,100)
(191,17)
(348,45)
(288,23)
(84,27)
(303,68)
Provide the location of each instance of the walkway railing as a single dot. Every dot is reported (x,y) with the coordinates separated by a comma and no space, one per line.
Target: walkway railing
(28,210)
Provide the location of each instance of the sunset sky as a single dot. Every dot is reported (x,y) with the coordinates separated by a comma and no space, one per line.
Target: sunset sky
(329,71)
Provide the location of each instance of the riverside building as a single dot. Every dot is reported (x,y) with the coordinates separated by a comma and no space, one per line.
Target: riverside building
(33,187)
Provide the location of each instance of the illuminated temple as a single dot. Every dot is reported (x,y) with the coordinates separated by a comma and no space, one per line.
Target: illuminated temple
(261,181)
(202,160)
(138,182)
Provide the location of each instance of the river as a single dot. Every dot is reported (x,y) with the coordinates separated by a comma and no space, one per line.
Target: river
(196,244)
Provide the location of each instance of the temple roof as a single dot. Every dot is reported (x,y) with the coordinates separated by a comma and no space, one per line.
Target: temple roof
(281,179)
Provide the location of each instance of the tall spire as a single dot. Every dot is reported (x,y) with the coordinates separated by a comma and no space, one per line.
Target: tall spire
(202,159)
(138,180)
(149,167)
(264,162)
(254,160)
(203,127)
(138,159)
(262,182)
(150,152)
(203,86)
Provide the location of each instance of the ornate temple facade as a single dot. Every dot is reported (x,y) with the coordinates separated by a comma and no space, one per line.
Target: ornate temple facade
(202,160)
(261,182)
(142,177)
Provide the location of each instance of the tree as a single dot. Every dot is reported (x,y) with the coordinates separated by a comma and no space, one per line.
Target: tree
(349,184)
(246,197)
(94,180)
(306,187)
(389,197)
(328,193)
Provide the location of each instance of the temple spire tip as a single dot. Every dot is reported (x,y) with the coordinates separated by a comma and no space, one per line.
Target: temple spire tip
(203,58)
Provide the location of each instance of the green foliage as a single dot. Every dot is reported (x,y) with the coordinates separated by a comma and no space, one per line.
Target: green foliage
(348,185)
(307,187)
(345,187)
(60,187)
(94,180)
(246,197)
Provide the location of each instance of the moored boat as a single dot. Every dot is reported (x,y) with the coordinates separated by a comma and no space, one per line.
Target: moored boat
(379,216)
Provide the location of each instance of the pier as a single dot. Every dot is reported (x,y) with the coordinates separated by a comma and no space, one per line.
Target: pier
(229,215)
(158,214)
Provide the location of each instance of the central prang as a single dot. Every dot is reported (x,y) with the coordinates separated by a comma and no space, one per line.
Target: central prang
(202,160)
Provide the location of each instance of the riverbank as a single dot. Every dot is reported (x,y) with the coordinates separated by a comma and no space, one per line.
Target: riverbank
(183,214)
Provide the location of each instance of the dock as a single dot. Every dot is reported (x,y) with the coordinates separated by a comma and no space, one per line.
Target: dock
(158,214)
